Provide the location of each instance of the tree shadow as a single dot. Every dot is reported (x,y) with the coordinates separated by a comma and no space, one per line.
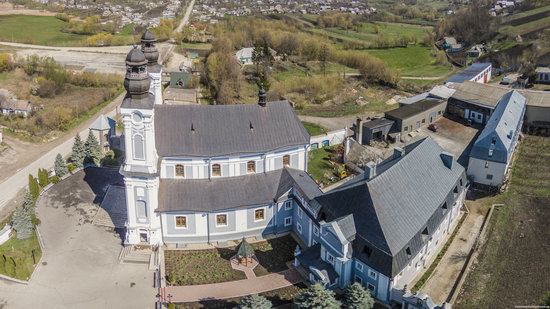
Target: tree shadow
(99,179)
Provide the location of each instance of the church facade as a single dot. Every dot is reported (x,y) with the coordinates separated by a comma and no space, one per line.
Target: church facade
(216,173)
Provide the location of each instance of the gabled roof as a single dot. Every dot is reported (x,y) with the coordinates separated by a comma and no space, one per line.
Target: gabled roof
(392,209)
(410,110)
(344,228)
(223,130)
(496,139)
(489,95)
(210,195)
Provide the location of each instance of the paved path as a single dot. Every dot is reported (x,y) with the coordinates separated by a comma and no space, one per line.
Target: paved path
(185,19)
(442,280)
(12,185)
(193,293)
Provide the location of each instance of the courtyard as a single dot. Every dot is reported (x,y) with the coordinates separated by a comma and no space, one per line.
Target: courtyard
(79,267)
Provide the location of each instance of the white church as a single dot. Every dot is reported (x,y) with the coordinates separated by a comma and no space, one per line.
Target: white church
(216,173)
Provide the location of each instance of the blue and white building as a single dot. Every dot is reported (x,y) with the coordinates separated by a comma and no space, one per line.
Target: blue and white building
(492,152)
(213,174)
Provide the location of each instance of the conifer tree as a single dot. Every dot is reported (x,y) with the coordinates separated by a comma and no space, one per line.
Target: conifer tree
(316,297)
(43,177)
(60,166)
(77,156)
(28,201)
(254,301)
(92,151)
(22,223)
(34,188)
(357,297)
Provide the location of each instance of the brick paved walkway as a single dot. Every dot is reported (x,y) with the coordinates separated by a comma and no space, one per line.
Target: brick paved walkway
(193,293)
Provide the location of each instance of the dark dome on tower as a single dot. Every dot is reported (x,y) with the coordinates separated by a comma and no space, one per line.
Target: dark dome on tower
(137,82)
(148,47)
(135,57)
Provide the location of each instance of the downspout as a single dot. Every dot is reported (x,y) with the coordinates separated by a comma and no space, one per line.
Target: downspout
(208,228)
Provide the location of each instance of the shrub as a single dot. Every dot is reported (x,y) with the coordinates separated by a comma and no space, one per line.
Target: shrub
(34,188)
(100,39)
(6,62)
(43,178)
(55,179)
(46,88)
(63,16)
(71,167)
(109,162)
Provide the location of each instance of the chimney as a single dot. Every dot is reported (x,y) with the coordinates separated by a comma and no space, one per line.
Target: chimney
(398,152)
(359,130)
(447,159)
(370,170)
(262,97)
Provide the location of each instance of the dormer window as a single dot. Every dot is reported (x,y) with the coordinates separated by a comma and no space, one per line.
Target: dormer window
(216,170)
(408,251)
(367,251)
(180,171)
(251,167)
(286,160)
(444,205)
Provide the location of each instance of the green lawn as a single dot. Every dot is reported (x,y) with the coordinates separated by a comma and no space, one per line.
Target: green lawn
(513,268)
(20,252)
(415,60)
(314,129)
(204,46)
(527,13)
(193,267)
(40,30)
(320,167)
(273,254)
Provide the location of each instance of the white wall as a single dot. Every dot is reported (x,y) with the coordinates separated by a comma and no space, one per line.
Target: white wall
(202,166)
(478,171)
(334,138)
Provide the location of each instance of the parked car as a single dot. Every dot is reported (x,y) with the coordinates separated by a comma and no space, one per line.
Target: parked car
(432,127)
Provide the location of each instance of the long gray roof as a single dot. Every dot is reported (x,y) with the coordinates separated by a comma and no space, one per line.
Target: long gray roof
(219,130)
(498,136)
(392,209)
(210,195)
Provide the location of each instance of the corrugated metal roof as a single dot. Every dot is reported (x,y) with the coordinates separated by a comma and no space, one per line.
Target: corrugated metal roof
(220,130)
(489,95)
(496,139)
(392,209)
(469,73)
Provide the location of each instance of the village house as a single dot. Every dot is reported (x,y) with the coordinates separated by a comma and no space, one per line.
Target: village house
(16,107)
(492,152)
(219,173)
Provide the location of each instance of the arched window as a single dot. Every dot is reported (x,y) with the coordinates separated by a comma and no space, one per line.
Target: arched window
(216,170)
(251,166)
(141,210)
(286,160)
(139,149)
(180,172)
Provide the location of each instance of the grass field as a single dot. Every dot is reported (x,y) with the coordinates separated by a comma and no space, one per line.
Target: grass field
(513,266)
(320,167)
(22,253)
(414,60)
(273,254)
(40,30)
(368,31)
(47,30)
(542,9)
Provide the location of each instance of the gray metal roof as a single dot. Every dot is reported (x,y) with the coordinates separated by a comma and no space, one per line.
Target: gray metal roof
(496,139)
(469,73)
(210,195)
(376,123)
(392,209)
(102,123)
(219,130)
(413,109)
